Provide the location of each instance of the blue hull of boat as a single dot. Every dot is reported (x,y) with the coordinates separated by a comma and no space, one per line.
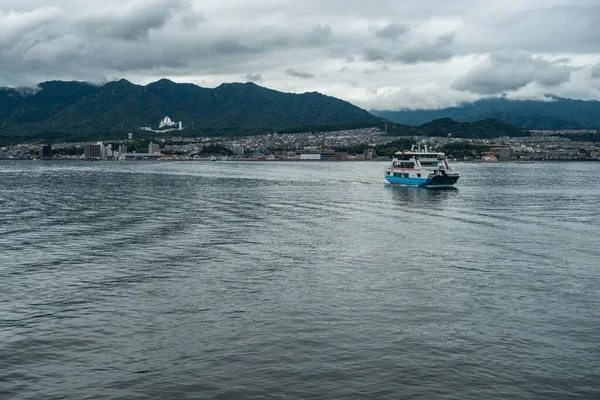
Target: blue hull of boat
(436,181)
(406,181)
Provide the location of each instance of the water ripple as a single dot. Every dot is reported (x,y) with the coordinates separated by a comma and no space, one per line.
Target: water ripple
(297,280)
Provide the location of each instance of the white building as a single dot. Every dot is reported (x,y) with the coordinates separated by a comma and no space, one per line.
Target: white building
(153,148)
(107,151)
(166,122)
(308,156)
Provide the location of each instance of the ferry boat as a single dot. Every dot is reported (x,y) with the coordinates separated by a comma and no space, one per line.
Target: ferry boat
(421,167)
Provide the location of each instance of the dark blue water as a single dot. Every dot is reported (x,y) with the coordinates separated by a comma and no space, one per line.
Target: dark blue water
(297,280)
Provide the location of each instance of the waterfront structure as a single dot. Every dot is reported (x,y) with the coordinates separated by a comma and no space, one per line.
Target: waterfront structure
(153,148)
(308,156)
(239,150)
(501,153)
(140,156)
(46,151)
(341,155)
(94,151)
(122,149)
(108,153)
(315,155)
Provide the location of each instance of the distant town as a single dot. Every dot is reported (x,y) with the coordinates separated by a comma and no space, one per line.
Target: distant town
(345,145)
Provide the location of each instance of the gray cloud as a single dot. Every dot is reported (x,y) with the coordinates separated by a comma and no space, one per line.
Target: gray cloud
(570,28)
(320,34)
(372,54)
(191,19)
(439,49)
(298,74)
(392,31)
(253,77)
(427,47)
(509,71)
(595,73)
(227,46)
(133,22)
(21,91)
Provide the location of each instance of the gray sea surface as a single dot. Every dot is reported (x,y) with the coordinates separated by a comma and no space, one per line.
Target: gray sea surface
(234,280)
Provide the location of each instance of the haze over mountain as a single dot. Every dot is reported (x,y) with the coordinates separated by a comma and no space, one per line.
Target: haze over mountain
(555,113)
(78,110)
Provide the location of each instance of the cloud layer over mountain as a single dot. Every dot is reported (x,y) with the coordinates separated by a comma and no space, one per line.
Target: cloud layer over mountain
(388,54)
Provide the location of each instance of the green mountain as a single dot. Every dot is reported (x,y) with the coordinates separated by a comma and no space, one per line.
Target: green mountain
(484,129)
(555,113)
(74,111)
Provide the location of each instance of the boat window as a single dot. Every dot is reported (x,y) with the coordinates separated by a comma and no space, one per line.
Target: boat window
(418,175)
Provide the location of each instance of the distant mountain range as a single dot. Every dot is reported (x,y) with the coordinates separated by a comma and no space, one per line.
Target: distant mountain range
(556,113)
(74,111)
(79,111)
(484,129)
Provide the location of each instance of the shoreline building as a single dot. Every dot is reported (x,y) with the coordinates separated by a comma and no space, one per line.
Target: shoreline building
(97,151)
(46,151)
(153,148)
(94,151)
(315,155)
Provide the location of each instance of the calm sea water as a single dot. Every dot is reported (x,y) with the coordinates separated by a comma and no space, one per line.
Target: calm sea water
(297,280)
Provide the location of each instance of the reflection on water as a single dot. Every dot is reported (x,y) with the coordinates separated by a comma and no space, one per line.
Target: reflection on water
(411,195)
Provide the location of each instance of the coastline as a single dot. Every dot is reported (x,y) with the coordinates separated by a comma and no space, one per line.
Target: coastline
(298,161)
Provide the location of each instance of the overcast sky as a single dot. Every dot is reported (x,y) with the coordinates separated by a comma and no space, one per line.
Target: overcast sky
(379,54)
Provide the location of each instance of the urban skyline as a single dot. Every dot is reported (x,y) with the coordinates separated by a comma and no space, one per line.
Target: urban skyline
(541,145)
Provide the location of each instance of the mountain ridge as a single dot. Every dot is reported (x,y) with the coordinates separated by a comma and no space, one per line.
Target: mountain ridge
(447,127)
(556,113)
(72,110)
